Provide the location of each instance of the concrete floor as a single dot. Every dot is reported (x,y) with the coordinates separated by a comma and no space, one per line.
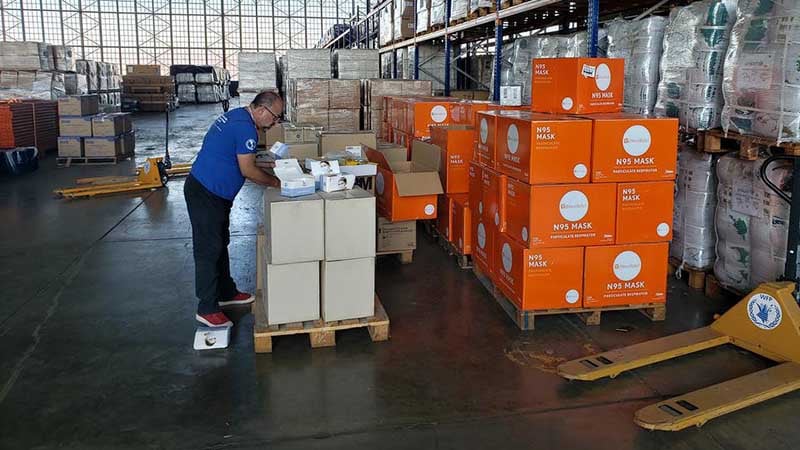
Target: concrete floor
(96,321)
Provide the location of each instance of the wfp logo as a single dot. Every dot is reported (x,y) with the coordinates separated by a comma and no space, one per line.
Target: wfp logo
(764,311)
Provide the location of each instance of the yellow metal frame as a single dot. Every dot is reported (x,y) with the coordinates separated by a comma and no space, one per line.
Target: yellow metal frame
(177,170)
(766,322)
(148,177)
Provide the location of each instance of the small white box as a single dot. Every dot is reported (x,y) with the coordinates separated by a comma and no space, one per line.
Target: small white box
(361,170)
(291,292)
(348,289)
(294,228)
(349,224)
(294,182)
(338,182)
(511,95)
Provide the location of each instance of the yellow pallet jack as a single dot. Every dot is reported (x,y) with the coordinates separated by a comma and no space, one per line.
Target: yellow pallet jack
(152,175)
(766,322)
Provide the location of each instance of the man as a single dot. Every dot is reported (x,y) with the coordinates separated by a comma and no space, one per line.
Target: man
(226,159)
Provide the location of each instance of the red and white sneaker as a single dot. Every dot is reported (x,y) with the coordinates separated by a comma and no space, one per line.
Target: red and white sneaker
(214,320)
(241,298)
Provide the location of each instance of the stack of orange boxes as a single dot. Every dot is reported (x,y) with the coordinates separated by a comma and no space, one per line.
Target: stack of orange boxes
(410,118)
(572,204)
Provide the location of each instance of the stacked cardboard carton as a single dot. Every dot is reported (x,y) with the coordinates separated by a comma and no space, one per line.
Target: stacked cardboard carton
(100,78)
(403,20)
(201,84)
(377,89)
(334,105)
(320,257)
(355,64)
(409,118)
(145,89)
(83,133)
(573,211)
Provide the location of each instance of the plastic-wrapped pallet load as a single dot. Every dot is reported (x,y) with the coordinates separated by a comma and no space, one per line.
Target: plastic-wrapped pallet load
(355,64)
(459,9)
(695,41)
(405,66)
(257,72)
(187,93)
(431,64)
(207,93)
(639,43)
(26,55)
(306,63)
(438,9)
(386,65)
(63,58)
(762,71)
(751,224)
(89,69)
(32,85)
(423,15)
(693,236)
(475,5)
(403,20)
(386,27)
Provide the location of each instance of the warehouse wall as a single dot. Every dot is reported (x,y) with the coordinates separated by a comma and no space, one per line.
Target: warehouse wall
(172,32)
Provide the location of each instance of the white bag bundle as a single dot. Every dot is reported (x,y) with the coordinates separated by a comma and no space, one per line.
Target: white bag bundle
(639,43)
(751,224)
(693,235)
(762,71)
(695,41)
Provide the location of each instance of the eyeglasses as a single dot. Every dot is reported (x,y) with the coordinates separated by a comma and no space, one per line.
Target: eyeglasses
(276,118)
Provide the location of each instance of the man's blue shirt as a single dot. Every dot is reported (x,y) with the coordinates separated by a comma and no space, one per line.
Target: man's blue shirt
(216,167)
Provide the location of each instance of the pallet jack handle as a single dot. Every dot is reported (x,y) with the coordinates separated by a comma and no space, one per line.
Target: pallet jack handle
(167,160)
(790,272)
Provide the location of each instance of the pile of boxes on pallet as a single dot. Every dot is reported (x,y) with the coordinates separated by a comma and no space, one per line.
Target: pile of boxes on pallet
(355,64)
(258,72)
(572,205)
(35,70)
(377,89)
(83,133)
(145,89)
(333,104)
(201,84)
(308,63)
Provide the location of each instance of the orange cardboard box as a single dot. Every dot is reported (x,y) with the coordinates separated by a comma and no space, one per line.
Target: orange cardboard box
(466,111)
(445,215)
(461,224)
(630,147)
(542,278)
(577,85)
(424,112)
(483,237)
(644,211)
(407,190)
(475,174)
(543,148)
(628,274)
(562,215)
(490,206)
(455,142)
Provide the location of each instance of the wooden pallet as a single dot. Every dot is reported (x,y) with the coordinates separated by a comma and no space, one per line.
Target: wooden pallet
(405,256)
(458,21)
(590,316)
(464,261)
(509,3)
(435,27)
(320,333)
(696,277)
(67,161)
(747,147)
(714,289)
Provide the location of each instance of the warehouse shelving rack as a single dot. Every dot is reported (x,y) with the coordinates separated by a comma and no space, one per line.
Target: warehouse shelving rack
(526,16)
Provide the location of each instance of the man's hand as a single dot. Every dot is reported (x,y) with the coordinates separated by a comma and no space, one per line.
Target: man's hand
(265,163)
(247,165)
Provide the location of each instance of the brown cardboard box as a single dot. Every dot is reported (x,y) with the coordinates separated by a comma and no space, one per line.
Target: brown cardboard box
(143,69)
(344,94)
(396,236)
(106,125)
(336,142)
(70,147)
(311,132)
(393,152)
(303,151)
(103,146)
(268,137)
(78,105)
(292,134)
(150,80)
(75,126)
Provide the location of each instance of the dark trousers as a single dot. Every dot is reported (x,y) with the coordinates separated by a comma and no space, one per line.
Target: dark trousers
(210,217)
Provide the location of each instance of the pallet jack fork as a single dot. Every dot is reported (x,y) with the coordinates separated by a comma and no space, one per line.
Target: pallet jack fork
(151,175)
(766,322)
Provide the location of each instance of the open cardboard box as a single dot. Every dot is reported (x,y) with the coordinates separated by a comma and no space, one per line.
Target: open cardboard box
(407,190)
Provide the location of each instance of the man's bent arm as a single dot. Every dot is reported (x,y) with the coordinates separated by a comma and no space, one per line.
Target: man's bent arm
(247,165)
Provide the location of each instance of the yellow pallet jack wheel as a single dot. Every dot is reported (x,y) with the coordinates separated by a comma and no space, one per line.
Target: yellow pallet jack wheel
(766,322)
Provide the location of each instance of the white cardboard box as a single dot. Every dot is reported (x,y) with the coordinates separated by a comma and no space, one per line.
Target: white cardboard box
(348,289)
(294,183)
(291,292)
(349,224)
(294,228)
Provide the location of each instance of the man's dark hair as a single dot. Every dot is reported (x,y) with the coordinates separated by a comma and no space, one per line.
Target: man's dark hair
(265,98)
